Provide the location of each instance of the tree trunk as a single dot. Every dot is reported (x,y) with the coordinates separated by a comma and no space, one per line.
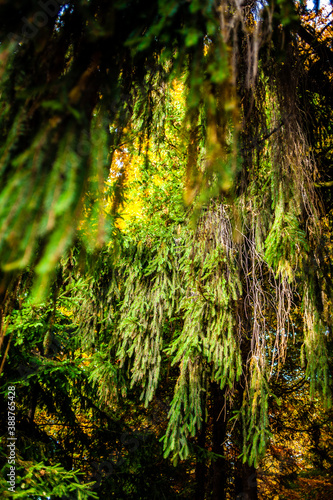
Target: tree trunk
(245,474)
(246,483)
(219,466)
(33,402)
(200,469)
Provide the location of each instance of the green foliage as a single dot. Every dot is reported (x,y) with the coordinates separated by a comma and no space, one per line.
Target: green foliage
(73,104)
(211,302)
(42,481)
(286,242)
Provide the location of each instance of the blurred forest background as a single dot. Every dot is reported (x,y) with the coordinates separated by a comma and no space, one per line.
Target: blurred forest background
(166,248)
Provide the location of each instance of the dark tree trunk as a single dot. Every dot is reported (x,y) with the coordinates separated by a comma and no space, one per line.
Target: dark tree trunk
(33,403)
(246,483)
(201,466)
(245,474)
(219,466)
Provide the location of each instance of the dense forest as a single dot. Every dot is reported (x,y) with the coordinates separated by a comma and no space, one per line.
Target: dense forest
(166,248)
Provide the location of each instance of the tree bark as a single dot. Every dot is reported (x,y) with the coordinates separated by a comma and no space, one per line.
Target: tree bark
(219,466)
(201,466)
(246,483)
(33,403)
(245,474)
